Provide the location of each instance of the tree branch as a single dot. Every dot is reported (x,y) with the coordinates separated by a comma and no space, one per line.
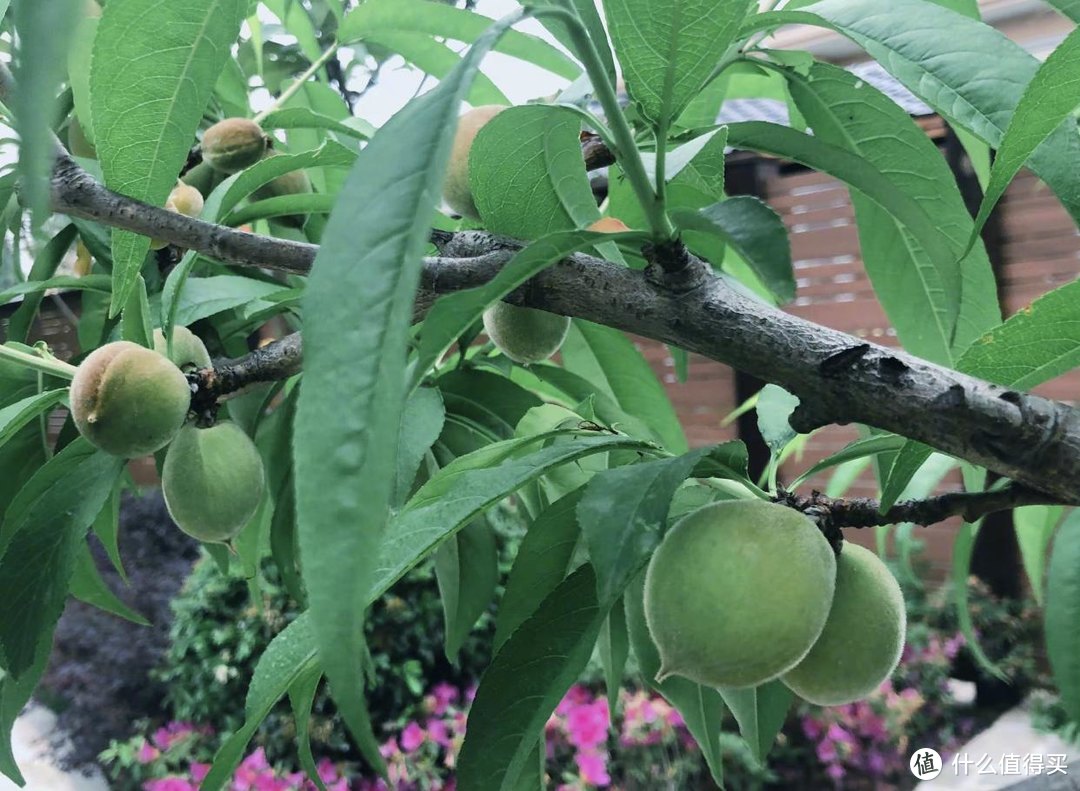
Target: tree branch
(864,512)
(839,379)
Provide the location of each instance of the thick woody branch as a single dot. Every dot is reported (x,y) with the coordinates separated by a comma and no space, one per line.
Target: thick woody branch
(833,512)
(839,378)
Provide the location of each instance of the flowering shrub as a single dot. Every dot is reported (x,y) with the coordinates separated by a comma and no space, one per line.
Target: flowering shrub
(648,747)
(176,757)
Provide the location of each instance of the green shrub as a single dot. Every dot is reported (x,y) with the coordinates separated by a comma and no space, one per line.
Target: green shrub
(219,633)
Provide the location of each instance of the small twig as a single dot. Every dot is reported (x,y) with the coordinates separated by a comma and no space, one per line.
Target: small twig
(860,512)
(289,92)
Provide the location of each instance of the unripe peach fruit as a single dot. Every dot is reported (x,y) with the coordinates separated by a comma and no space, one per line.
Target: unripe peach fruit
(608,225)
(189,352)
(863,637)
(212,480)
(456,190)
(129,400)
(233,144)
(184,199)
(738,592)
(525,335)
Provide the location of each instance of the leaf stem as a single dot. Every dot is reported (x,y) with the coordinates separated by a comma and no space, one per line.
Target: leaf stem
(289,92)
(49,365)
(627,152)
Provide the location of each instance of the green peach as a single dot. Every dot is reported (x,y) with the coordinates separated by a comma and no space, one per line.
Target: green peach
(863,636)
(128,400)
(212,480)
(456,190)
(525,335)
(233,144)
(189,352)
(738,592)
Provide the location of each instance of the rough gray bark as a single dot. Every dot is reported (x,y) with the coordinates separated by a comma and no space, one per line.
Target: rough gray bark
(839,378)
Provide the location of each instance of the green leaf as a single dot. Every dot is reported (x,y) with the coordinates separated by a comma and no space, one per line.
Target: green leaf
(44,268)
(14,695)
(623,514)
(702,708)
(760,712)
(346,460)
(1063,613)
(98,283)
(281,206)
(859,449)
(306,118)
(977,86)
(238,186)
(756,232)
(42,532)
(78,63)
(107,529)
(491,400)
(437,59)
(152,73)
(1068,8)
(1034,525)
(302,698)
(88,586)
(669,48)
(963,545)
(774,408)
(527,174)
(467,571)
(610,361)
(205,296)
(614,648)
(421,424)
(588,13)
(44,32)
(14,416)
(135,324)
(375,18)
(918,292)
(542,561)
(858,173)
(525,681)
(289,657)
(453,313)
(468,486)
(1034,345)
(1048,100)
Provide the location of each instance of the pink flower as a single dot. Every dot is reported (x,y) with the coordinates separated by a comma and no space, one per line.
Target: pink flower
(674,719)
(593,768)
(198,771)
(836,772)
(147,753)
(587,725)
(438,732)
(445,694)
(575,696)
(169,784)
(250,775)
(327,771)
(412,737)
(826,752)
(389,748)
(838,734)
